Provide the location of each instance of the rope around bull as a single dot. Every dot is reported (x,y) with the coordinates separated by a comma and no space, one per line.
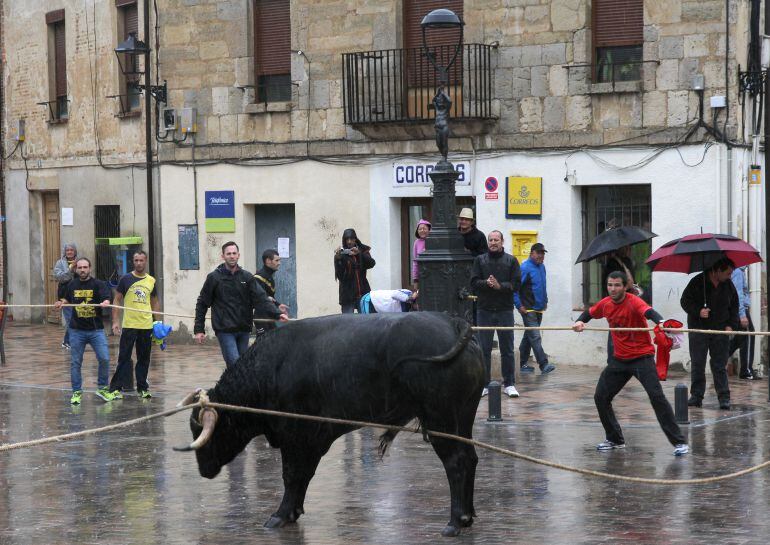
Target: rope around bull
(360,424)
(475,328)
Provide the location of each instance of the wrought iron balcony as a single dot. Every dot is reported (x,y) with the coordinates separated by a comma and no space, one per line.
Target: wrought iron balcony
(398,85)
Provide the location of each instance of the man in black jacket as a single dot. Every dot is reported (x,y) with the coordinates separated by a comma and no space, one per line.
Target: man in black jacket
(711,302)
(495,278)
(271,262)
(233,295)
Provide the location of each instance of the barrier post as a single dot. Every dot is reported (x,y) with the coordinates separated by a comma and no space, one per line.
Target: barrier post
(681,410)
(493,398)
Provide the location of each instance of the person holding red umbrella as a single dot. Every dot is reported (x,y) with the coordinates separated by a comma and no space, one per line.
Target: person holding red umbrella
(631,354)
(711,302)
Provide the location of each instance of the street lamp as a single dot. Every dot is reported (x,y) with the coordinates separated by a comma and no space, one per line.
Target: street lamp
(445,266)
(128,51)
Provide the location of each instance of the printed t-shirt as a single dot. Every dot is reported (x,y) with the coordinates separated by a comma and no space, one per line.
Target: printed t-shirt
(628,313)
(90,292)
(137,291)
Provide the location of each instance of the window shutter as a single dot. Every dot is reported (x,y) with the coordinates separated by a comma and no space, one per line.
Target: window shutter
(618,22)
(130,20)
(272,39)
(415,10)
(60,59)
(121,3)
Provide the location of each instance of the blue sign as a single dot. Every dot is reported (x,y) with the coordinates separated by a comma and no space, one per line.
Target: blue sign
(220,211)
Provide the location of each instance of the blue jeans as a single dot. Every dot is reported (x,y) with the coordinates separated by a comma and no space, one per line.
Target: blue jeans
(233,345)
(502,318)
(79,338)
(66,313)
(531,340)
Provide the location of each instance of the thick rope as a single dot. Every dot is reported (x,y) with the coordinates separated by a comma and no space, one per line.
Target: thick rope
(361,424)
(84,433)
(475,328)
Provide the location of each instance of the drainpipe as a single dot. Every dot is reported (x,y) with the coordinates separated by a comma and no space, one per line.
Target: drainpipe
(767,200)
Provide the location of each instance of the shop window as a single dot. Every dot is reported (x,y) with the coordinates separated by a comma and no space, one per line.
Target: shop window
(605,207)
(272,50)
(58,106)
(617,40)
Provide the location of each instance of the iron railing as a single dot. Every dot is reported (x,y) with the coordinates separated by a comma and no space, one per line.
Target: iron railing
(398,85)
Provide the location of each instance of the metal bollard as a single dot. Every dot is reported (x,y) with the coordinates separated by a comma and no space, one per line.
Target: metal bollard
(680,404)
(493,398)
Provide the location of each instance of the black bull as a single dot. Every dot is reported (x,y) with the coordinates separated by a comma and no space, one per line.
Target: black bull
(383,368)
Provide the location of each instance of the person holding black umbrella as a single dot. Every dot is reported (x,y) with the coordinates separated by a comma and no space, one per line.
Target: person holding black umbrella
(711,302)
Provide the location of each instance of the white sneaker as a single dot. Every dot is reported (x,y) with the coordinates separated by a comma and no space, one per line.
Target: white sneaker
(511,391)
(681,450)
(484,392)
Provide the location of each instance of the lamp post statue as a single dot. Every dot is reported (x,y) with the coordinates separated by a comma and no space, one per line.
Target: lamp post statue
(445,266)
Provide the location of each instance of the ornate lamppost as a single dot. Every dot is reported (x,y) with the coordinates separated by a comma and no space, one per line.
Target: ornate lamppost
(445,266)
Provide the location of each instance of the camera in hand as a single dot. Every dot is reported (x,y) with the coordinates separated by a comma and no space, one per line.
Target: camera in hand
(346,251)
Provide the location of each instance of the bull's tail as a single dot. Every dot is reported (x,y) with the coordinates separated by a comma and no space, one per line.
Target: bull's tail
(464,333)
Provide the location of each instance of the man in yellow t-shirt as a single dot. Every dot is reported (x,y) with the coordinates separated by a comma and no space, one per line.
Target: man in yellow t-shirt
(136,290)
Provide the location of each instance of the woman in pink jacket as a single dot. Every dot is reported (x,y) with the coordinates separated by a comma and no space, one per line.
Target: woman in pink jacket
(422,232)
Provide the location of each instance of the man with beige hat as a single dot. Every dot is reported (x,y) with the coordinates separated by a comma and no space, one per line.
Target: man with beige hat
(475,240)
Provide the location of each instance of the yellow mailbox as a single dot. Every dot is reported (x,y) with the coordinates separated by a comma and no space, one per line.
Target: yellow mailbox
(521,242)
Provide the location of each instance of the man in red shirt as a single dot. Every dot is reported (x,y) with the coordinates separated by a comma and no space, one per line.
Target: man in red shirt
(631,355)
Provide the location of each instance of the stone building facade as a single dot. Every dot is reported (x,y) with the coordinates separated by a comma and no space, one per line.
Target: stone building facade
(307,157)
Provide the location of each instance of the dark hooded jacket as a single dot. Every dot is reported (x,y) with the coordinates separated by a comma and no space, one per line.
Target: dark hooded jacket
(350,270)
(233,298)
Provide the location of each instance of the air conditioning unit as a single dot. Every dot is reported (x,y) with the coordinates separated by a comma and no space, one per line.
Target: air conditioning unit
(168,119)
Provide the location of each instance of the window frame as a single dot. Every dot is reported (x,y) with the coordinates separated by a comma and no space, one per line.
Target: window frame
(597,44)
(58,96)
(278,86)
(129,107)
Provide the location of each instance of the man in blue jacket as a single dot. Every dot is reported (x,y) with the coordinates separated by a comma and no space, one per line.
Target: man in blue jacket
(532,301)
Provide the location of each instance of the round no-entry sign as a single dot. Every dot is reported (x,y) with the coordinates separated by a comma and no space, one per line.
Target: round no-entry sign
(491,184)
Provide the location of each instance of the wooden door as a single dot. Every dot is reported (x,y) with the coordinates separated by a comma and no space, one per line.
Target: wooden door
(52,251)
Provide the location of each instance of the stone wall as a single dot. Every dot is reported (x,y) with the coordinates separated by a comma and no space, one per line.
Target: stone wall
(542,96)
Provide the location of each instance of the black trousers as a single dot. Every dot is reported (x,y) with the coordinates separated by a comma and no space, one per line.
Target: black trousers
(142,339)
(701,345)
(745,346)
(614,378)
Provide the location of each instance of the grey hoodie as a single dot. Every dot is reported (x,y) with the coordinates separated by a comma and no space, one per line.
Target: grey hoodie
(61,271)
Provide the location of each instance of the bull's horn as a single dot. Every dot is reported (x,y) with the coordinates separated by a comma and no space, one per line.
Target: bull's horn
(208,419)
(190,398)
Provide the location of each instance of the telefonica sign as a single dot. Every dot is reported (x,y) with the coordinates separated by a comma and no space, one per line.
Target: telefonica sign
(415,175)
(220,211)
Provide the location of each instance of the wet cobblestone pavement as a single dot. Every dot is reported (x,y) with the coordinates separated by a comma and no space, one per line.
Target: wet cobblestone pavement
(129,487)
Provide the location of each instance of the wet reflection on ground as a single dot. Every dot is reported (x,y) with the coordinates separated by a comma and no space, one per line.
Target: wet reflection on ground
(128,486)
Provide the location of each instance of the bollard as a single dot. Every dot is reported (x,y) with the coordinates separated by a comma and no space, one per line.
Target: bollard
(680,404)
(493,398)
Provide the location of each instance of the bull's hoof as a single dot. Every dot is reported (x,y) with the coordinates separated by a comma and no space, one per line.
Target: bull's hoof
(275,522)
(450,531)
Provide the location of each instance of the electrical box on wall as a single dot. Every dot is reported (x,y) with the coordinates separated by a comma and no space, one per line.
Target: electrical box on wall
(21,129)
(521,242)
(168,119)
(188,120)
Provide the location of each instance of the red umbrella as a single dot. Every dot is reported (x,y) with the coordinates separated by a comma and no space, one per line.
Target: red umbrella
(695,253)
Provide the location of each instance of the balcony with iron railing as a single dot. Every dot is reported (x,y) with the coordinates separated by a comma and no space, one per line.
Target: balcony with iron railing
(398,85)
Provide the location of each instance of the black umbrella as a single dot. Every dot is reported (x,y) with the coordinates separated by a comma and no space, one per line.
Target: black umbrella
(614,239)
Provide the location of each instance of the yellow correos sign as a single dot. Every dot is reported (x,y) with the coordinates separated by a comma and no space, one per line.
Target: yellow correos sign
(523,197)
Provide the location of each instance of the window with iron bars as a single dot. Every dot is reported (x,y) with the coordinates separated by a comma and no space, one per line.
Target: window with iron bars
(106,225)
